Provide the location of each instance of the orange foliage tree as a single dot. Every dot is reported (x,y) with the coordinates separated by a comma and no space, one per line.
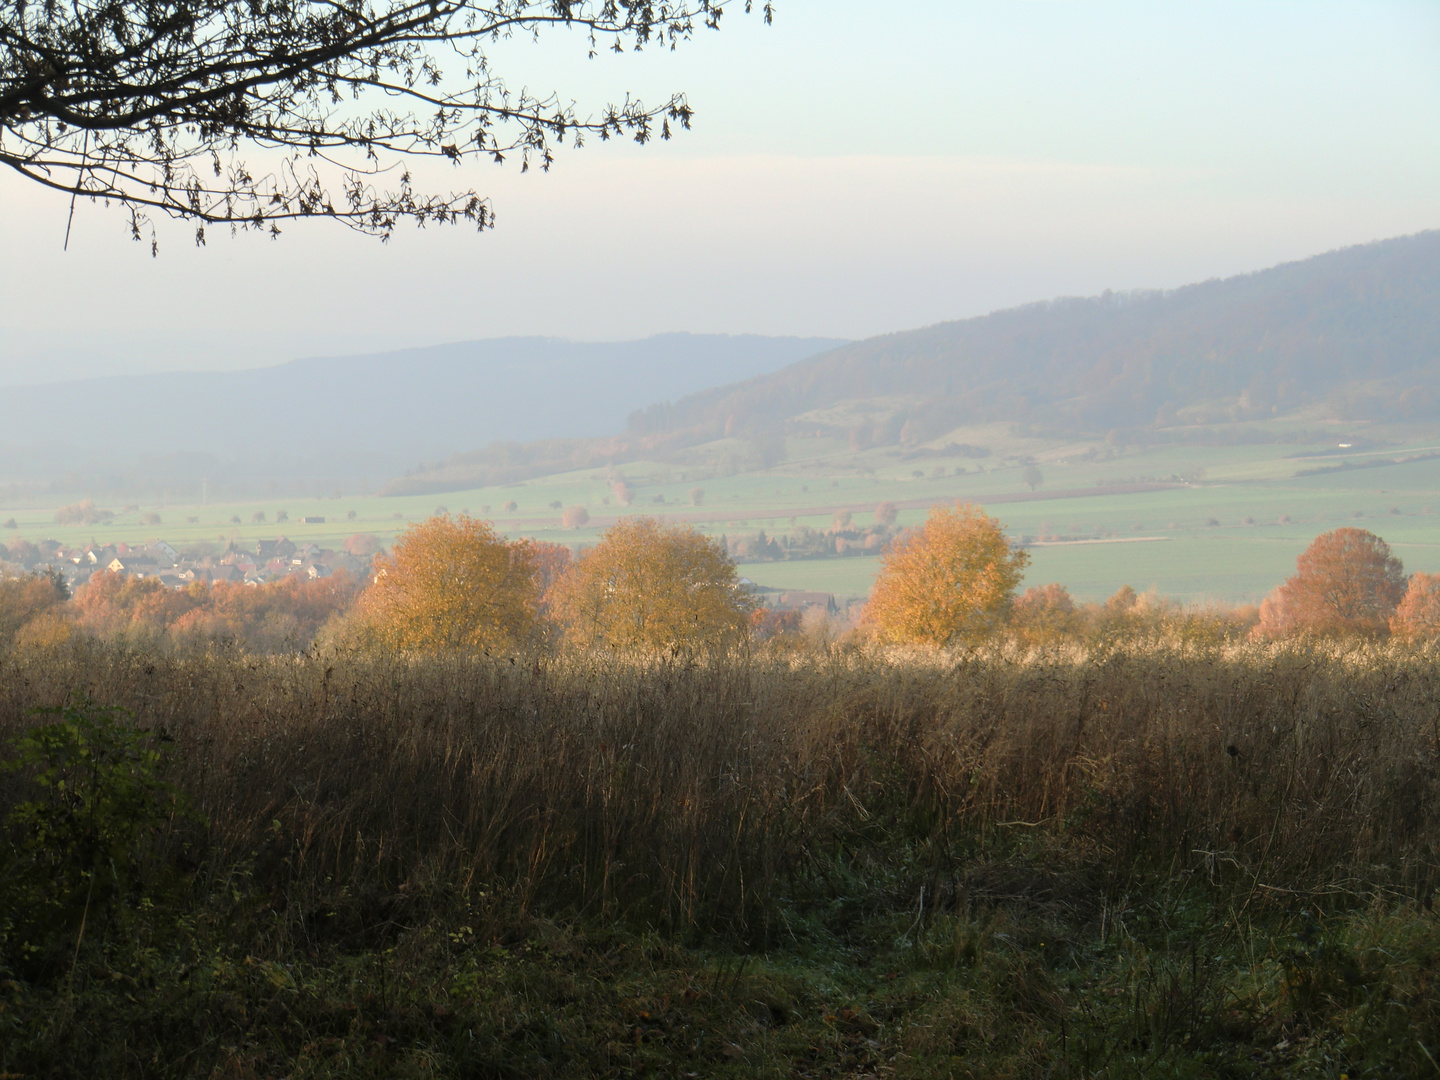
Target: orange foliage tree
(1419,612)
(115,603)
(274,617)
(648,585)
(278,616)
(1346,581)
(452,583)
(952,579)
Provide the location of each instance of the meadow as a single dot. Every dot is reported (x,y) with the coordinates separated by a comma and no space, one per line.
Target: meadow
(1223,523)
(1163,854)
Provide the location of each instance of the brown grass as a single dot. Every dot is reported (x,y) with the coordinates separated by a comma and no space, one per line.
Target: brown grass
(697,795)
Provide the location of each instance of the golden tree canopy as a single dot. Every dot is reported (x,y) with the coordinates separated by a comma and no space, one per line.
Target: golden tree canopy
(648,585)
(452,583)
(950,580)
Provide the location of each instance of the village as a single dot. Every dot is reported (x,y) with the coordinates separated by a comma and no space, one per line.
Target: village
(239,563)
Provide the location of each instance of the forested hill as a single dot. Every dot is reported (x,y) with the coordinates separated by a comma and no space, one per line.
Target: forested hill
(1358,329)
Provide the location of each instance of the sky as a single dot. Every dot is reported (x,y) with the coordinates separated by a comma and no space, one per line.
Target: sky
(856,168)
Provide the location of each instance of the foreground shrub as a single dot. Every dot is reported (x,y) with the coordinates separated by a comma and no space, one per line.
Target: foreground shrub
(75,847)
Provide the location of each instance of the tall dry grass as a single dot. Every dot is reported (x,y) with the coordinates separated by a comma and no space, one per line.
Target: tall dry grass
(698,795)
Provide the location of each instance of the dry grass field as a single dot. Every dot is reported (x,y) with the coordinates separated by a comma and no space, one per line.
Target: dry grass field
(1146,857)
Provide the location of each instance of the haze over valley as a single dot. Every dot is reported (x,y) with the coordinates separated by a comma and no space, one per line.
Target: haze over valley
(1188,440)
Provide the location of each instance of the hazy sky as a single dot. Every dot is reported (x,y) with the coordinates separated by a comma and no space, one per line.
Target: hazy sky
(857,168)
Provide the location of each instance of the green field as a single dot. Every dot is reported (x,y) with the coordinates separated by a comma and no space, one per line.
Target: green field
(1221,523)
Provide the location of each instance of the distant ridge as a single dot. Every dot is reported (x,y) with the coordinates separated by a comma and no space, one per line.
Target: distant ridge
(343,418)
(1357,328)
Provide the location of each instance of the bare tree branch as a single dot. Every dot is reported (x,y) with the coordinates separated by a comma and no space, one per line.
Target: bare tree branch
(148,103)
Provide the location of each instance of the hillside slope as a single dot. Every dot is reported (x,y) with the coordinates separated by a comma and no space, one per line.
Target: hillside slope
(1358,329)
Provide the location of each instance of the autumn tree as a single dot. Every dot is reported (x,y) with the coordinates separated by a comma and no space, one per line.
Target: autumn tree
(116,604)
(451,583)
(952,579)
(651,586)
(149,106)
(1044,610)
(575,517)
(1419,612)
(885,514)
(278,616)
(28,598)
(1346,581)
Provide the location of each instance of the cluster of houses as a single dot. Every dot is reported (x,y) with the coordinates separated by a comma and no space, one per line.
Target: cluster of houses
(264,561)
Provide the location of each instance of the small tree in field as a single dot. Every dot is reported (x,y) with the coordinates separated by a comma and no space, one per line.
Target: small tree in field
(1346,581)
(952,579)
(651,586)
(1419,612)
(575,517)
(885,514)
(452,583)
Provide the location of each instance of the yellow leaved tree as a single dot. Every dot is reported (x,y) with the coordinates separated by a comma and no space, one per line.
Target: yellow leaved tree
(452,583)
(651,586)
(953,579)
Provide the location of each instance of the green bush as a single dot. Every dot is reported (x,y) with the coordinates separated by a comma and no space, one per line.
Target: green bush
(74,853)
